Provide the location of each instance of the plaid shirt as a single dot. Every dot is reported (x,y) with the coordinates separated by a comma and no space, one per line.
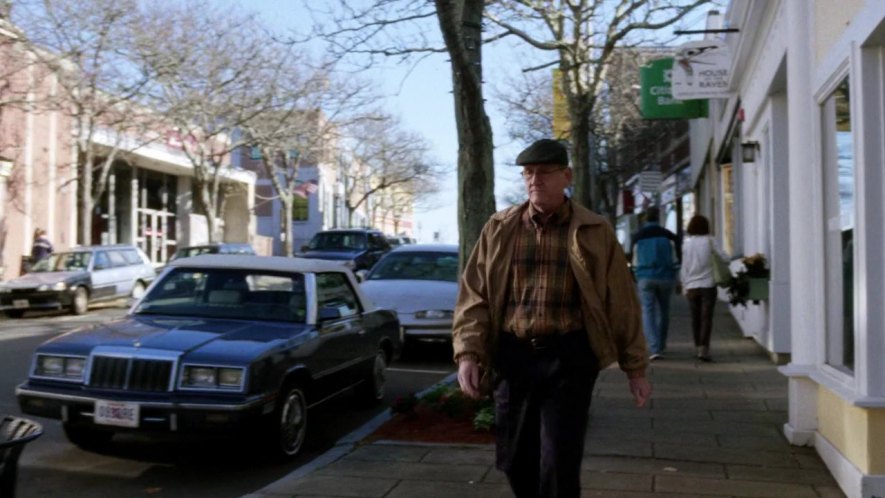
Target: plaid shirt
(544,297)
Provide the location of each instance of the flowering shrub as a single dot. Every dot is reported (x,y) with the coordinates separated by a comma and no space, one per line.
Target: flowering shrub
(449,400)
(755,266)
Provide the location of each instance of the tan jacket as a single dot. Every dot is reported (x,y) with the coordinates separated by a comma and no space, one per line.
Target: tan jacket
(610,305)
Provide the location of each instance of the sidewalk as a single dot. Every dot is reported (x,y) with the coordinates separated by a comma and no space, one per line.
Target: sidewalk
(713,429)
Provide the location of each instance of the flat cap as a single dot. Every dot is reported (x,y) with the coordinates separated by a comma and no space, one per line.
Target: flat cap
(544,151)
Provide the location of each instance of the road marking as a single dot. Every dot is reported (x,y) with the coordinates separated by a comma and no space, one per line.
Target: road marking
(413,370)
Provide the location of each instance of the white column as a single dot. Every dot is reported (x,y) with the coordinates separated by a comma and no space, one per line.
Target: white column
(806,266)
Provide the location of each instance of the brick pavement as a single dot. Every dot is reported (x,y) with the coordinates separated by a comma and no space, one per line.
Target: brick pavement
(713,430)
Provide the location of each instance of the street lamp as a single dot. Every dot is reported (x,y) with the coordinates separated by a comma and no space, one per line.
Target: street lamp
(748,151)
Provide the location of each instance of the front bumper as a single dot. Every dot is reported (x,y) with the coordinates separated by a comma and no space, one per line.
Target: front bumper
(425,328)
(192,416)
(44,300)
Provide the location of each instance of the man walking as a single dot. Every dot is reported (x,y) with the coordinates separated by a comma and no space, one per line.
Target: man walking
(545,301)
(656,259)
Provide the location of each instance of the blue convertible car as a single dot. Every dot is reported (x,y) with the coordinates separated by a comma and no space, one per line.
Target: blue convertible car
(218,343)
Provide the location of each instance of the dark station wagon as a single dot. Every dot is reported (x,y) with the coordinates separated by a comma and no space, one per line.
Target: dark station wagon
(218,343)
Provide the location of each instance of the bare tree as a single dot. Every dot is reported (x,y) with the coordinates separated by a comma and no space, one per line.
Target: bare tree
(401,29)
(583,35)
(623,143)
(213,73)
(382,159)
(84,44)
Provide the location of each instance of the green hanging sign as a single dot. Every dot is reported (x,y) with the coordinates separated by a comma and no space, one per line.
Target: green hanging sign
(657,100)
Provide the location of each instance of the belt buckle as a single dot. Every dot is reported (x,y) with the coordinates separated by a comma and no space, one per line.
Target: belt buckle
(538,343)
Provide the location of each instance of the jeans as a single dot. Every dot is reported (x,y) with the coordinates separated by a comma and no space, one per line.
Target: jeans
(654,295)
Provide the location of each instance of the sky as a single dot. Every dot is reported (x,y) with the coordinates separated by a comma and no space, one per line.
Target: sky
(422,97)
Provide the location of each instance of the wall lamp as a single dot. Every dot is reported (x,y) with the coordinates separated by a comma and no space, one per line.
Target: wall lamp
(748,151)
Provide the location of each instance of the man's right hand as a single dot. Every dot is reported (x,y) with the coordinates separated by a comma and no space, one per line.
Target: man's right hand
(468,377)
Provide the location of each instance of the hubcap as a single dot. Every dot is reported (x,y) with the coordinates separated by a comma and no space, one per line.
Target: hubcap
(138,290)
(293,422)
(380,374)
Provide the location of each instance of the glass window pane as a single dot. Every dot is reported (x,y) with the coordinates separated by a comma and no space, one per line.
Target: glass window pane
(840,212)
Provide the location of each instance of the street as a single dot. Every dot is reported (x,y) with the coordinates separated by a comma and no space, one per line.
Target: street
(174,465)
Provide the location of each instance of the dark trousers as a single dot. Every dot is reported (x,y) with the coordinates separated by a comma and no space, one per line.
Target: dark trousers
(702,300)
(542,399)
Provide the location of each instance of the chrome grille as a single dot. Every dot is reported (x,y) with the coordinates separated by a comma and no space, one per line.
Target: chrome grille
(130,374)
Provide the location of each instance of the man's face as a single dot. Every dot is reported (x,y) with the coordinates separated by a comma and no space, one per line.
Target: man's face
(545,184)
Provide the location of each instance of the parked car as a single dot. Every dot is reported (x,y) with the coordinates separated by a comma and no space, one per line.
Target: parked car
(419,282)
(398,240)
(357,248)
(214,248)
(227,344)
(75,278)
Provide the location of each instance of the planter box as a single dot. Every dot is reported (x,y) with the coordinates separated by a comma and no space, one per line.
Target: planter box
(758,289)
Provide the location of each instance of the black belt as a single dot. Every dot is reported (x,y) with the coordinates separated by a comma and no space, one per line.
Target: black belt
(545,341)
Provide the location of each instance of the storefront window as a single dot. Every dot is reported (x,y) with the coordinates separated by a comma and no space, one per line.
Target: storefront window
(840,190)
(299,208)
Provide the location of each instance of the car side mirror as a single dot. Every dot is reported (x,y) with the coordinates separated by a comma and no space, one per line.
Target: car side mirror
(361,275)
(327,313)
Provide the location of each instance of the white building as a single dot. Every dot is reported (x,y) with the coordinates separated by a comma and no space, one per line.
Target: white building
(808,101)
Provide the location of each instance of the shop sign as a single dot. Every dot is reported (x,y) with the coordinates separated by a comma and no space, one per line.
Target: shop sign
(701,70)
(657,101)
(650,181)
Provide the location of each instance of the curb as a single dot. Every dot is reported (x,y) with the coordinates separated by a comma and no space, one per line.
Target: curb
(341,447)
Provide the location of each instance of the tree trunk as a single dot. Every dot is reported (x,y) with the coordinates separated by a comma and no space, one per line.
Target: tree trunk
(286,216)
(461,26)
(84,196)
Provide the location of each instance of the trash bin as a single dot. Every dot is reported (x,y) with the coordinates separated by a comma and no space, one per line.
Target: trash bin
(15,433)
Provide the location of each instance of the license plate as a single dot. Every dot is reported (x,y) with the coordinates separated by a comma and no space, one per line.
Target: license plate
(20,303)
(116,413)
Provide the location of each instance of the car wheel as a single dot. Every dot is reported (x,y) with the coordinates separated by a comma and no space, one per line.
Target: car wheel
(80,303)
(137,290)
(290,423)
(15,313)
(87,437)
(371,390)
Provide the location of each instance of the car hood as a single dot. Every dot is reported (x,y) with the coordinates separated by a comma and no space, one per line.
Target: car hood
(334,255)
(218,339)
(30,280)
(409,296)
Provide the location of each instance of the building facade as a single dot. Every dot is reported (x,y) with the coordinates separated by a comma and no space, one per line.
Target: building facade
(148,200)
(791,165)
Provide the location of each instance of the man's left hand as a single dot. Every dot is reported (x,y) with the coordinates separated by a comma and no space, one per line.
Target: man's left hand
(640,388)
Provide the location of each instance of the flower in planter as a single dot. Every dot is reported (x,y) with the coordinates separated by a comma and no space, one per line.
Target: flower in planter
(751,282)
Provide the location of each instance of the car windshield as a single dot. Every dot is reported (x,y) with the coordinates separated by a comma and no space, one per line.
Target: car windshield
(338,241)
(63,261)
(225,293)
(417,266)
(187,252)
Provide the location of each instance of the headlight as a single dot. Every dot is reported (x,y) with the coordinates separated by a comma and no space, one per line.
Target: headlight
(434,314)
(3,288)
(60,286)
(207,377)
(43,287)
(350,264)
(230,377)
(62,367)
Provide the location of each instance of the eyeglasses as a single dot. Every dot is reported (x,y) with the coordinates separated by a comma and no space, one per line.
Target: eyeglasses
(541,172)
